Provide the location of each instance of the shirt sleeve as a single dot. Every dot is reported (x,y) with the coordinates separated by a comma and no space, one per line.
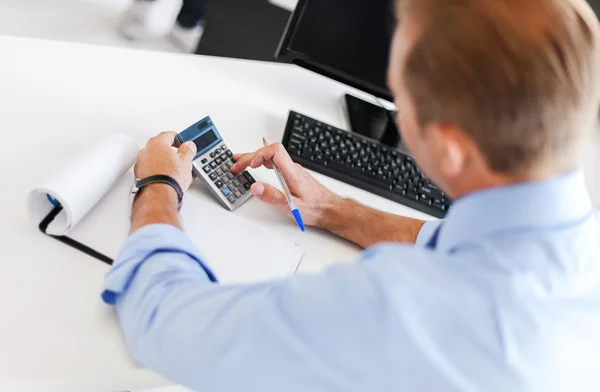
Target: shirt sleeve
(303,331)
(141,246)
(427,232)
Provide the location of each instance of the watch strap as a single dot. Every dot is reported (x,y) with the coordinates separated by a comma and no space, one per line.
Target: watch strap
(160,179)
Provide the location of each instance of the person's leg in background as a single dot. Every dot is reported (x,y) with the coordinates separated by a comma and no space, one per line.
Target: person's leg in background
(188,28)
(185,33)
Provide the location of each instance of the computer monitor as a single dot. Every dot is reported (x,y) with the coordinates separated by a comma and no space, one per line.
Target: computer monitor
(346,40)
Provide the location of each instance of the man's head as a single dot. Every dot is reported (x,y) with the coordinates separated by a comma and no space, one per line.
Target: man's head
(496,91)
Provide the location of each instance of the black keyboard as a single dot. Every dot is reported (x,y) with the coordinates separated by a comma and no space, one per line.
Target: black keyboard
(362,162)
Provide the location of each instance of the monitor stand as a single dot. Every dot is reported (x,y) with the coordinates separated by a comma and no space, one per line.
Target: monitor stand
(373,121)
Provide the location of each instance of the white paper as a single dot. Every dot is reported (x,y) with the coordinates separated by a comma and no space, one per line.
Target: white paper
(236,249)
(83,182)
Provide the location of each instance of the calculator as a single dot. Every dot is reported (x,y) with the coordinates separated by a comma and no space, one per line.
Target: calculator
(212,163)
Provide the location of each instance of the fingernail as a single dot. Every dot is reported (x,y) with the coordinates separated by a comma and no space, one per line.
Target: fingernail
(258,189)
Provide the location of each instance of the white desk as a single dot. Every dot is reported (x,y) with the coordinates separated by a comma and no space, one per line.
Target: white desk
(55,333)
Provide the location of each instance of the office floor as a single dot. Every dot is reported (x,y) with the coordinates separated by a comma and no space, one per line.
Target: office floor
(89,21)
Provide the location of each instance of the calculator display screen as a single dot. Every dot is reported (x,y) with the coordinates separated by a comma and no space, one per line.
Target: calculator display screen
(205,140)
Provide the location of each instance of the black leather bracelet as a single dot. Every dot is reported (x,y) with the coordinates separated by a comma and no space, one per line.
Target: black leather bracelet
(158,179)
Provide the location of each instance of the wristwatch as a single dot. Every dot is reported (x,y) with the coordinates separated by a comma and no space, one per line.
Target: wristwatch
(155,179)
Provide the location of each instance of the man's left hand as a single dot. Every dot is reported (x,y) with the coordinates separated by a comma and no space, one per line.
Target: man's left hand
(160,157)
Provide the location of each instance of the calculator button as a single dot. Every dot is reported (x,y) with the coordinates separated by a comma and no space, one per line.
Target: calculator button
(225,180)
(219,184)
(213,176)
(225,168)
(225,191)
(206,169)
(242,179)
(213,165)
(218,160)
(217,151)
(231,198)
(228,153)
(249,178)
(247,186)
(204,161)
(236,182)
(229,163)
(212,154)
(223,157)
(219,171)
(242,190)
(237,194)
(230,175)
(223,147)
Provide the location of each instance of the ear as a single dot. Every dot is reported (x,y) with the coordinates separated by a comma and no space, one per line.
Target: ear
(451,144)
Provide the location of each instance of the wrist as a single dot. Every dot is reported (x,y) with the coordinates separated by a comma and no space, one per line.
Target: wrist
(155,203)
(332,212)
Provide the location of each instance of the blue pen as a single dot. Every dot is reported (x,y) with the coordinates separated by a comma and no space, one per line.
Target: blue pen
(288,195)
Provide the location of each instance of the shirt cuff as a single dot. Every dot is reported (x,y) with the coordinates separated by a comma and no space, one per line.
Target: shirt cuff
(141,245)
(427,232)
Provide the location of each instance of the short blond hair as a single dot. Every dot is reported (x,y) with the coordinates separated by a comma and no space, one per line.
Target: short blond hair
(521,77)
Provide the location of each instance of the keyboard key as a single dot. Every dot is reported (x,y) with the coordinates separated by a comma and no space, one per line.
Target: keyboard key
(249,178)
(242,179)
(242,190)
(204,161)
(225,180)
(225,190)
(219,184)
(212,154)
(219,172)
(225,168)
(231,199)
(223,157)
(218,160)
(247,186)
(229,153)
(236,182)
(230,175)
(217,151)
(223,147)
(206,169)
(439,205)
(237,194)
(213,176)
(213,165)
(434,193)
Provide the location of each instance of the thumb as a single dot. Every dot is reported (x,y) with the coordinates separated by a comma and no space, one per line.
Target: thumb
(268,194)
(187,150)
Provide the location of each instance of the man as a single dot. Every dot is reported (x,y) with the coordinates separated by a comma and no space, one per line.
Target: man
(496,98)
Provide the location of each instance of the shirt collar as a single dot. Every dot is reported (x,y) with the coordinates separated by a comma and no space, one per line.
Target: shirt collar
(561,200)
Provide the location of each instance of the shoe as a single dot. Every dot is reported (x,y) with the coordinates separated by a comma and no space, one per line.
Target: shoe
(186,39)
(134,25)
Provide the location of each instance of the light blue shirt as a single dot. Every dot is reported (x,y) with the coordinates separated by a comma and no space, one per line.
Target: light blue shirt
(501,296)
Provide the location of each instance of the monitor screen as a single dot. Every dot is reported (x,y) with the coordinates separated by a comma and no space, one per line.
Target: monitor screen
(347,40)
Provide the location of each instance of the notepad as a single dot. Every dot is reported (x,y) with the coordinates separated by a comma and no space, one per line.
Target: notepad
(94,191)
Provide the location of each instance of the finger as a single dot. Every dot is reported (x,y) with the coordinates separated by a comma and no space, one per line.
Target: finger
(268,194)
(167,137)
(279,155)
(187,151)
(242,162)
(263,157)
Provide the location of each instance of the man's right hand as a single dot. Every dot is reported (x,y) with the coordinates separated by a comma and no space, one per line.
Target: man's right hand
(312,199)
